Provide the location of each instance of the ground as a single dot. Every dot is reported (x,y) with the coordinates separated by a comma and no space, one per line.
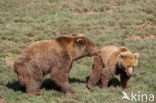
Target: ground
(129,23)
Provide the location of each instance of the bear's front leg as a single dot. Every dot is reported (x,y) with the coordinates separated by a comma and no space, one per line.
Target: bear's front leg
(124,80)
(95,73)
(60,77)
(94,77)
(33,86)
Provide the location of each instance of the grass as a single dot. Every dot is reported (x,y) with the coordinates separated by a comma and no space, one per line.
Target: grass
(106,22)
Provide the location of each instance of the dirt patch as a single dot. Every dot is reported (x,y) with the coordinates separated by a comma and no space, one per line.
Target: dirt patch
(32,37)
(115,6)
(141,27)
(9,60)
(111,10)
(90,12)
(58,33)
(2,100)
(137,37)
(146,25)
(151,26)
(76,13)
(150,14)
(150,37)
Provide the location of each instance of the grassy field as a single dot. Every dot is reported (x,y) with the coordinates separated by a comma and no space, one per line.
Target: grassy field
(129,23)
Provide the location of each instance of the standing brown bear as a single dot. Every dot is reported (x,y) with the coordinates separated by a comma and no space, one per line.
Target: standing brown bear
(113,60)
(52,57)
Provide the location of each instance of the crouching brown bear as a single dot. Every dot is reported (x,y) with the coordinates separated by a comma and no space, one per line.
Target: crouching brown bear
(112,60)
(52,57)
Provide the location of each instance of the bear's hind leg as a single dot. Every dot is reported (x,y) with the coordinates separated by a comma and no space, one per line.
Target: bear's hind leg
(61,79)
(105,78)
(33,87)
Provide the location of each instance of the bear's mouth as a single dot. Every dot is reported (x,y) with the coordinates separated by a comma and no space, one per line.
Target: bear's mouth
(129,75)
(97,53)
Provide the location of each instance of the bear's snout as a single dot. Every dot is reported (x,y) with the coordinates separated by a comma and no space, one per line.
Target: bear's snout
(96,51)
(129,72)
(129,75)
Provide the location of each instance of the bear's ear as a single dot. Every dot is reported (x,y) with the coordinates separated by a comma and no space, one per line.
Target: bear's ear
(123,49)
(137,55)
(122,55)
(80,40)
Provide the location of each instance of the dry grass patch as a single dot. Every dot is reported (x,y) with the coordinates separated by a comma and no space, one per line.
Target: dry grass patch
(137,37)
(9,60)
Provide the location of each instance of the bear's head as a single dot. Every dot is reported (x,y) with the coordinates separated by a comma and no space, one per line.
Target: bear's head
(128,61)
(84,47)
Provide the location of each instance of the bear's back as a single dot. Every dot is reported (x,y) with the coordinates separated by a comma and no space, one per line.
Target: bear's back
(108,53)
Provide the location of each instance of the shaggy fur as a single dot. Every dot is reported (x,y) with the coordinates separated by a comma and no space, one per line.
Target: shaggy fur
(52,57)
(113,60)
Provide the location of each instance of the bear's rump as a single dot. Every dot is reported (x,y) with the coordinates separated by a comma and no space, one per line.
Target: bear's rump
(22,71)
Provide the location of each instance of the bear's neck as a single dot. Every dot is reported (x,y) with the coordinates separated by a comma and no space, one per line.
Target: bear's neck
(119,66)
(73,53)
(67,42)
(118,69)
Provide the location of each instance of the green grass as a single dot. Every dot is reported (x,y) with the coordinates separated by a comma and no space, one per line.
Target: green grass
(25,21)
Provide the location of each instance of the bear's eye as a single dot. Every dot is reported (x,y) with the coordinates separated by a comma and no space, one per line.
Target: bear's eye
(128,66)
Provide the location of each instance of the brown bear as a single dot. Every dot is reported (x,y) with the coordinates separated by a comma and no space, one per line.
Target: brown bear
(112,60)
(52,57)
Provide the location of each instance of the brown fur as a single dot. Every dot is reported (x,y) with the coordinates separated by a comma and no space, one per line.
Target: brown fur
(113,60)
(52,57)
